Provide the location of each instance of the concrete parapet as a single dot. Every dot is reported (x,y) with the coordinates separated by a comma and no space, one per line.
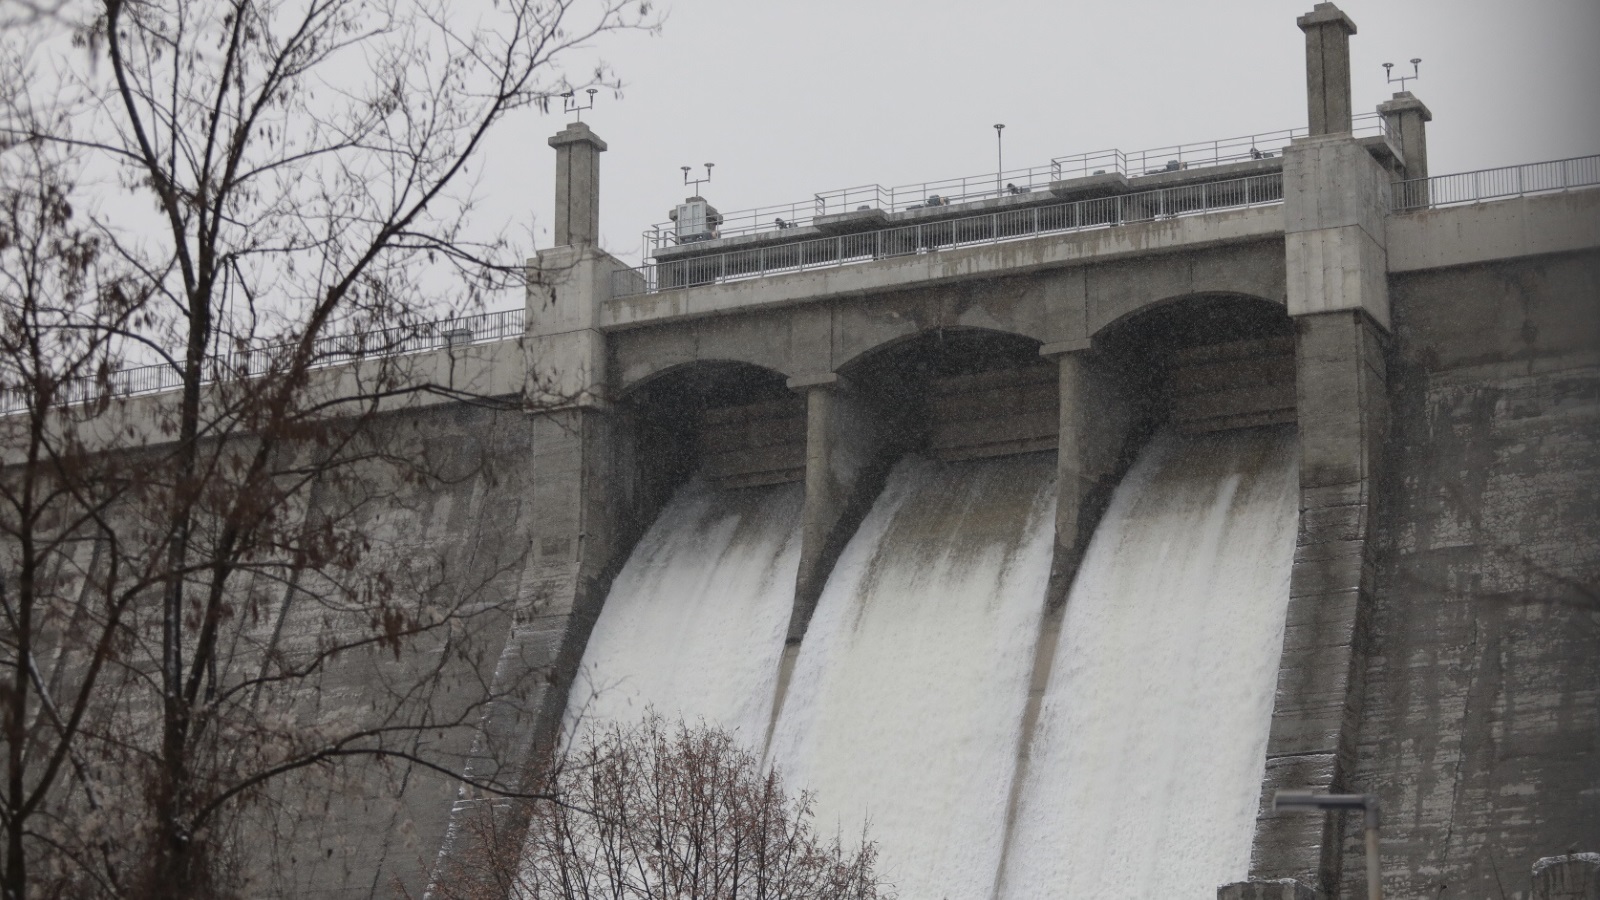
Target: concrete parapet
(1575,876)
(1280,889)
(1513,228)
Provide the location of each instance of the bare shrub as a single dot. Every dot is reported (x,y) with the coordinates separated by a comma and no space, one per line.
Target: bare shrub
(661,811)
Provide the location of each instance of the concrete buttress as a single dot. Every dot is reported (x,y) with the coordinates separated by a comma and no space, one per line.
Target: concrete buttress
(1335,203)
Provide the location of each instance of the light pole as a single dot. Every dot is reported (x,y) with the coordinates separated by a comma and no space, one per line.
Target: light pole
(1339,803)
(999,160)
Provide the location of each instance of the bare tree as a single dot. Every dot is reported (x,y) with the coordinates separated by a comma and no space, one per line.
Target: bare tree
(182,571)
(663,812)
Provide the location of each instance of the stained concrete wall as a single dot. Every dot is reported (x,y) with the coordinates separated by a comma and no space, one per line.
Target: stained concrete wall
(1481,707)
(455,544)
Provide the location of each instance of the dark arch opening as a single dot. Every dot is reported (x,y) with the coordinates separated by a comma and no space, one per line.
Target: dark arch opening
(1203,363)
(736,421)
(960,393)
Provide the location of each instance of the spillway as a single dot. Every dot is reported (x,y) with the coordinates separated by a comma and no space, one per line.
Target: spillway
(1145,767)
(906,702)
(694,624)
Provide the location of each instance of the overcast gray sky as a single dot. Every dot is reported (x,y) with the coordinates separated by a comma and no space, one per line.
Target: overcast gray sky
(792,98)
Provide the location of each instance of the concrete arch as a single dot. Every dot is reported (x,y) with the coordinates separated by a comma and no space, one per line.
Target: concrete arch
(1112,291)
(717,369)
(865,356)
(1246,312)
(639,357)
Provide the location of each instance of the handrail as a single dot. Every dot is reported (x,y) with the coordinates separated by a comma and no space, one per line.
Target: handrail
(330,350)
(983,185)
(1487,184)
(906,240)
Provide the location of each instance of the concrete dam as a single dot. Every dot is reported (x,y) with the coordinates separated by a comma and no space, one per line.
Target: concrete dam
(1051,530)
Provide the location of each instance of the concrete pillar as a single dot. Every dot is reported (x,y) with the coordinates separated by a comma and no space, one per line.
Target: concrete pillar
(1280,889)
(583,492)
(1328,32)
(849,449)
(1094,439)
(576,544)
(566,359)
(1336,201)
(1343,422)
(1408,118)
(1575,876)
(578,152)
(852,440)
(1334,210)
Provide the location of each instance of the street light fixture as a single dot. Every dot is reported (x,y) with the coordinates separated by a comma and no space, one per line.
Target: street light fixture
(999,159)
(1339,803)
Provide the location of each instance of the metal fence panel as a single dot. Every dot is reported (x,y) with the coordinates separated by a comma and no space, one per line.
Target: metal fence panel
(330,350)
(1488,184)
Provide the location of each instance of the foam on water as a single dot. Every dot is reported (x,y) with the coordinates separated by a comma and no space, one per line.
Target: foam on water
(695,622)
(1147,760)
(906,701)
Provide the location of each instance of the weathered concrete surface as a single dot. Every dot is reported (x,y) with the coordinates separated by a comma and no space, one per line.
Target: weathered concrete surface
(1059,308)
(1335,206)
(1512,228)
(851,441)
(1343,419)
(1328,32)
(566,360)
(496,369)
(1481,708)
(1408,118)
(578,152)
(455,543)
(1575,876)
(1281,889)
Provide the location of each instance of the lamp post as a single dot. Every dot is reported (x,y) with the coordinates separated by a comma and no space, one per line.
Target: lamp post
(999,160)
(1338,803)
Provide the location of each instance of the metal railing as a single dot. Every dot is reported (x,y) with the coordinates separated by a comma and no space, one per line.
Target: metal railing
(1177,157)
(948,191)
(327,351)
(1487,184)
(908,240)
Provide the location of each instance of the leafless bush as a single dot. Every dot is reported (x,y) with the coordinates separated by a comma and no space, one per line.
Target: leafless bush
(664,812)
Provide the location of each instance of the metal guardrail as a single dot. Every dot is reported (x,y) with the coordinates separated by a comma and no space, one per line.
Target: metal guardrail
(908,240)
(1487,184)
(1135,164)
(327,351)
(1176,157)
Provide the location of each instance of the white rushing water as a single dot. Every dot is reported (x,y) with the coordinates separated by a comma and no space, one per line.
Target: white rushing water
(1146,763)
(906,702)
(695,622)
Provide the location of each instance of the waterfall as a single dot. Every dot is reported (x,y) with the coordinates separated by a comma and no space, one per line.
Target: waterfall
(906,701)
(695,622)
(1145,767)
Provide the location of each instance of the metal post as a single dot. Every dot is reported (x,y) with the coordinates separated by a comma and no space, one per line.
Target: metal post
(1374,872)
(999,160)
(1325,803)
